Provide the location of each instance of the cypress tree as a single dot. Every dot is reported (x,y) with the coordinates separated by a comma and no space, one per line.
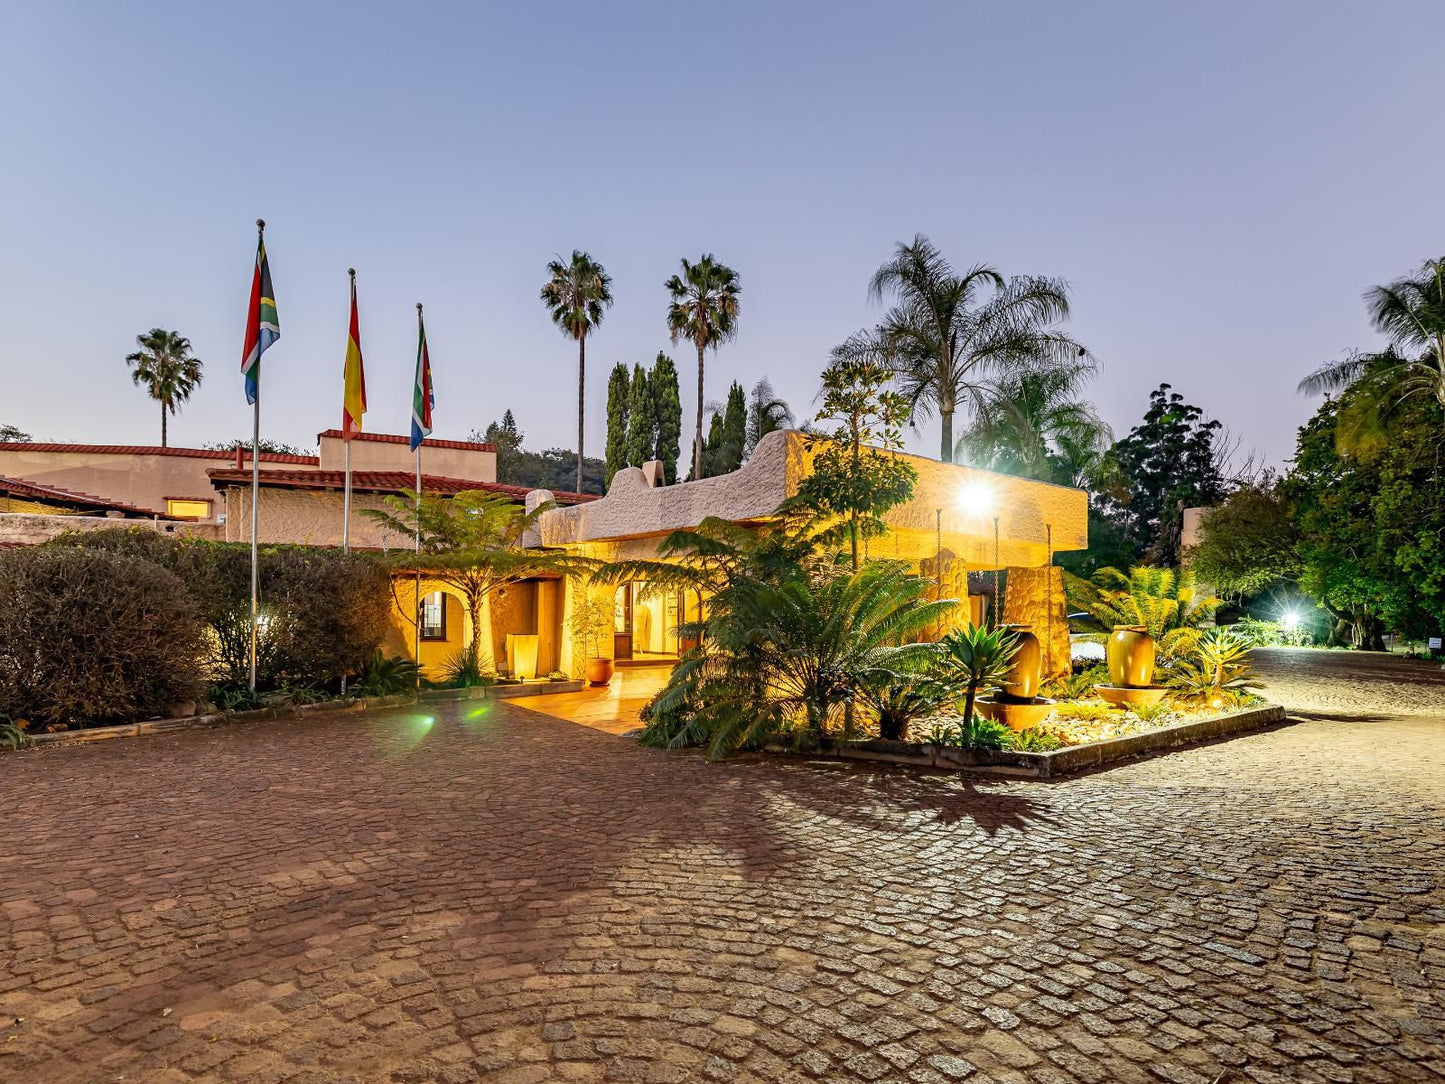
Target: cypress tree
(641,419)
(667,411)
(729,453)
(712,448)
(618,389)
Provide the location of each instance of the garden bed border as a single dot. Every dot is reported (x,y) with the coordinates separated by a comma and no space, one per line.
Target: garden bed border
(296,711)
(1059,762)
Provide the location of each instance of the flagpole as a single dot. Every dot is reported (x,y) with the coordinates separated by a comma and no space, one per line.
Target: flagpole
(255,494)
(346,441)
(416,631)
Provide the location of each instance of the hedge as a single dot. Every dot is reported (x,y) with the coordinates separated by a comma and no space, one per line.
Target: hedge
(324,613)
(89,637)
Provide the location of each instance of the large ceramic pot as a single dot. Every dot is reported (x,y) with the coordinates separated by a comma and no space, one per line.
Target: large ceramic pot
(1026,671)
(1130,654)
(599,671)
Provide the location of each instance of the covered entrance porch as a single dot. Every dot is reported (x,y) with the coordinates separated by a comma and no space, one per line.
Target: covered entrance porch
(646,620)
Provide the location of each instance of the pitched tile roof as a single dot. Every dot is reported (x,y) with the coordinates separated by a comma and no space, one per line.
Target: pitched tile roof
(393,438)
(16,487)
(380,481)
(143,449)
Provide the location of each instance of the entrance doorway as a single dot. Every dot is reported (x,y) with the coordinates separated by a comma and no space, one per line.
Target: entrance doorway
(645,622)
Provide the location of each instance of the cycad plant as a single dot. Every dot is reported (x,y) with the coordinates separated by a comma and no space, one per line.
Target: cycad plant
(901,690)
(1165,601)
(978,656)
(788,636)
(1217,672)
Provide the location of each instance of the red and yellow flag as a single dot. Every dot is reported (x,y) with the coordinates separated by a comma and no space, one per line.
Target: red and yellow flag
(353,398)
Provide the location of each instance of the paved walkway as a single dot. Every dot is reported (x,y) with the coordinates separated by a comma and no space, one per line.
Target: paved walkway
(493,894)
(612,709)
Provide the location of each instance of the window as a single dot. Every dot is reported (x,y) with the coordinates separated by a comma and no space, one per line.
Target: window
(434,616)
(180,506)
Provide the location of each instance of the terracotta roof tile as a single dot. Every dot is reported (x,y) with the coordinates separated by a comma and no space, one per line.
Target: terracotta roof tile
(17,487)
(142,449)
(380,481)
(392,438)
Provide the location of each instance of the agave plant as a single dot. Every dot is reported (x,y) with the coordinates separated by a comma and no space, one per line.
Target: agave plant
(978,656)
(1217,672)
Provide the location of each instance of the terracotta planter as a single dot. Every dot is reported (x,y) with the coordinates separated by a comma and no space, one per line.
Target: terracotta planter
(1027,668)
(1130,654)
(599,671)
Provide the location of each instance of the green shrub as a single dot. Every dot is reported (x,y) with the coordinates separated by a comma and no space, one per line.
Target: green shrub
(463,670)
(1077,684)
(13,733)
(1034,740)
(1086,711)
(1217,673)
(979,734)
(323,612)
(387,676)
(1152,713)
(90,637)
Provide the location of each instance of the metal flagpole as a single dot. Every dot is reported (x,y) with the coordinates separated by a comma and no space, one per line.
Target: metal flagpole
(255,496)
(416,631)
(346,440)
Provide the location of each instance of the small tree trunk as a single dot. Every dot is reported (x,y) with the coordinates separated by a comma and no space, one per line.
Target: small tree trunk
(968,702)
(581,396)
(945,453)
(697,436)
(163,423)
(474,608)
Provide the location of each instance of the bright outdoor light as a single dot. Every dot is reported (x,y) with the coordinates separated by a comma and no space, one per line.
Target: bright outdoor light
(976,499)
(1290,620)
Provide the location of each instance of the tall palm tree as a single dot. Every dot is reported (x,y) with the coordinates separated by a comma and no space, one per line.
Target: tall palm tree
(948,335)
(165,367)
(1410,313)
(576,294)
(1033,423)
(704,309)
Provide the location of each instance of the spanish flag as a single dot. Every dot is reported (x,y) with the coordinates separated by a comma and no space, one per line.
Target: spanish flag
(353,399)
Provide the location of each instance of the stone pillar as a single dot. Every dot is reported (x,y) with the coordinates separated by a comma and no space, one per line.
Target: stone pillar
(1035,597)
(953,583)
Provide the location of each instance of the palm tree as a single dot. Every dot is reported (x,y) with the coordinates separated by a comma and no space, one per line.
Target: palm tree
(1033,423)
(948,335)
(704,309)
(165,368)
(1410,313)
(576,294)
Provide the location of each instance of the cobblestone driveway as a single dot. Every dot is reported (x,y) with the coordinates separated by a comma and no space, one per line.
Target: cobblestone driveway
(509,897)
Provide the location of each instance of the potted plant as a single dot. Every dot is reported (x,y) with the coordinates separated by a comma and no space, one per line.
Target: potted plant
(589,623)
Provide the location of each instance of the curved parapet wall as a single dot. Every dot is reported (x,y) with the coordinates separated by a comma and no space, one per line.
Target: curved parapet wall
(959,503)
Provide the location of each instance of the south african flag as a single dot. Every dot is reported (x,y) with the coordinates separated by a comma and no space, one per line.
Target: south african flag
(262,326)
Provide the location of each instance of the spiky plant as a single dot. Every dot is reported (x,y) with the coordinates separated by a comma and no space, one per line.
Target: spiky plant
(978,656)
(1217,672)
(1165,601)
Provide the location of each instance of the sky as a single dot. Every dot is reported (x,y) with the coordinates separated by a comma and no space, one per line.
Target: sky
(1218,183)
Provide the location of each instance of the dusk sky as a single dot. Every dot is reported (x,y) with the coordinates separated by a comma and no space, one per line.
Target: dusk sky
(1218,183)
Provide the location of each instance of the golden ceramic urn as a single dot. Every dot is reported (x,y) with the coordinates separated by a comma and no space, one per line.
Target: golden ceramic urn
(1130,654)
(1026,670)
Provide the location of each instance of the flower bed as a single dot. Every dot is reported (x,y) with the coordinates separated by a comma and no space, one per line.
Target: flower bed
(1071,758)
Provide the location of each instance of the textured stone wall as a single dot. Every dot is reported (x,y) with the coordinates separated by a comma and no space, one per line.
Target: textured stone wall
(308,517)
(1030,596)
(26,529)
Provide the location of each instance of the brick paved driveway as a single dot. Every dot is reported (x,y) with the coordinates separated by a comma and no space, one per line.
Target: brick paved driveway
(507,896)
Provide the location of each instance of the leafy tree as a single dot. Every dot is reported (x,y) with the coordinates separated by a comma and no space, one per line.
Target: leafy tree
(9,434)
(619,401)
(641,419)
(1168,463)
(712,448)
(667,405)
(576,295)
(766,414)
(165,367)
(949,335)
(1370,525)
(507,439)
(471,543)
(855,476)
(266,445)
(703,310)
(1410,313)
(1249,542)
